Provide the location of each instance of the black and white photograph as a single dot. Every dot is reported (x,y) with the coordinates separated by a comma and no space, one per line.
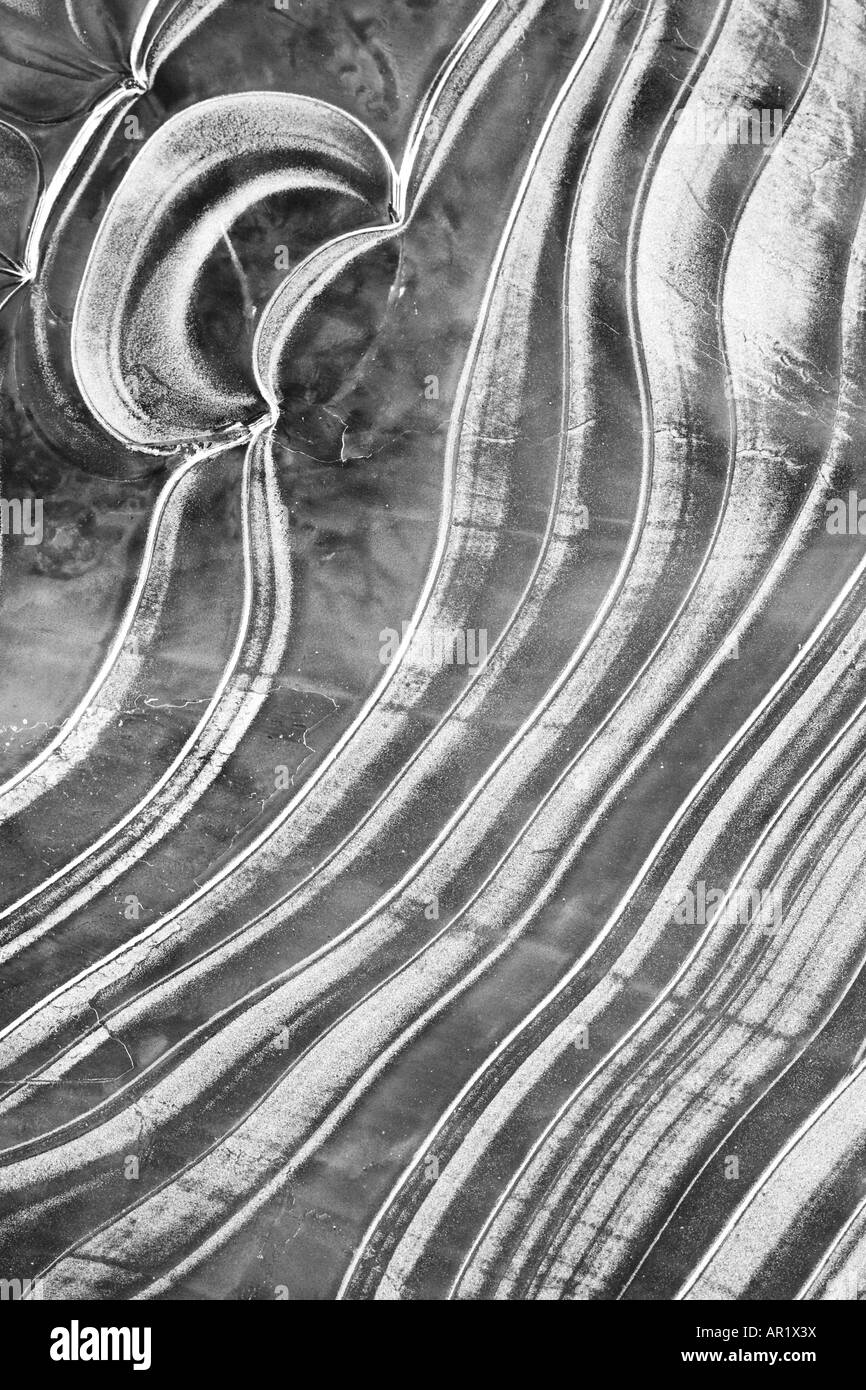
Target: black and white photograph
(433,665)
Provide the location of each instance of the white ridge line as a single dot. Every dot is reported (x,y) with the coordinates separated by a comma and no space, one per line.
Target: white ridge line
(756,1189)
(372,700)
(128,91)
(597,941)
(589,636)
(228,672)
(210,451)
(835,1245)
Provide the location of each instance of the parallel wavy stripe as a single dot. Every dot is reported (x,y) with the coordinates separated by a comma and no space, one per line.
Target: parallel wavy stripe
(338,961)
